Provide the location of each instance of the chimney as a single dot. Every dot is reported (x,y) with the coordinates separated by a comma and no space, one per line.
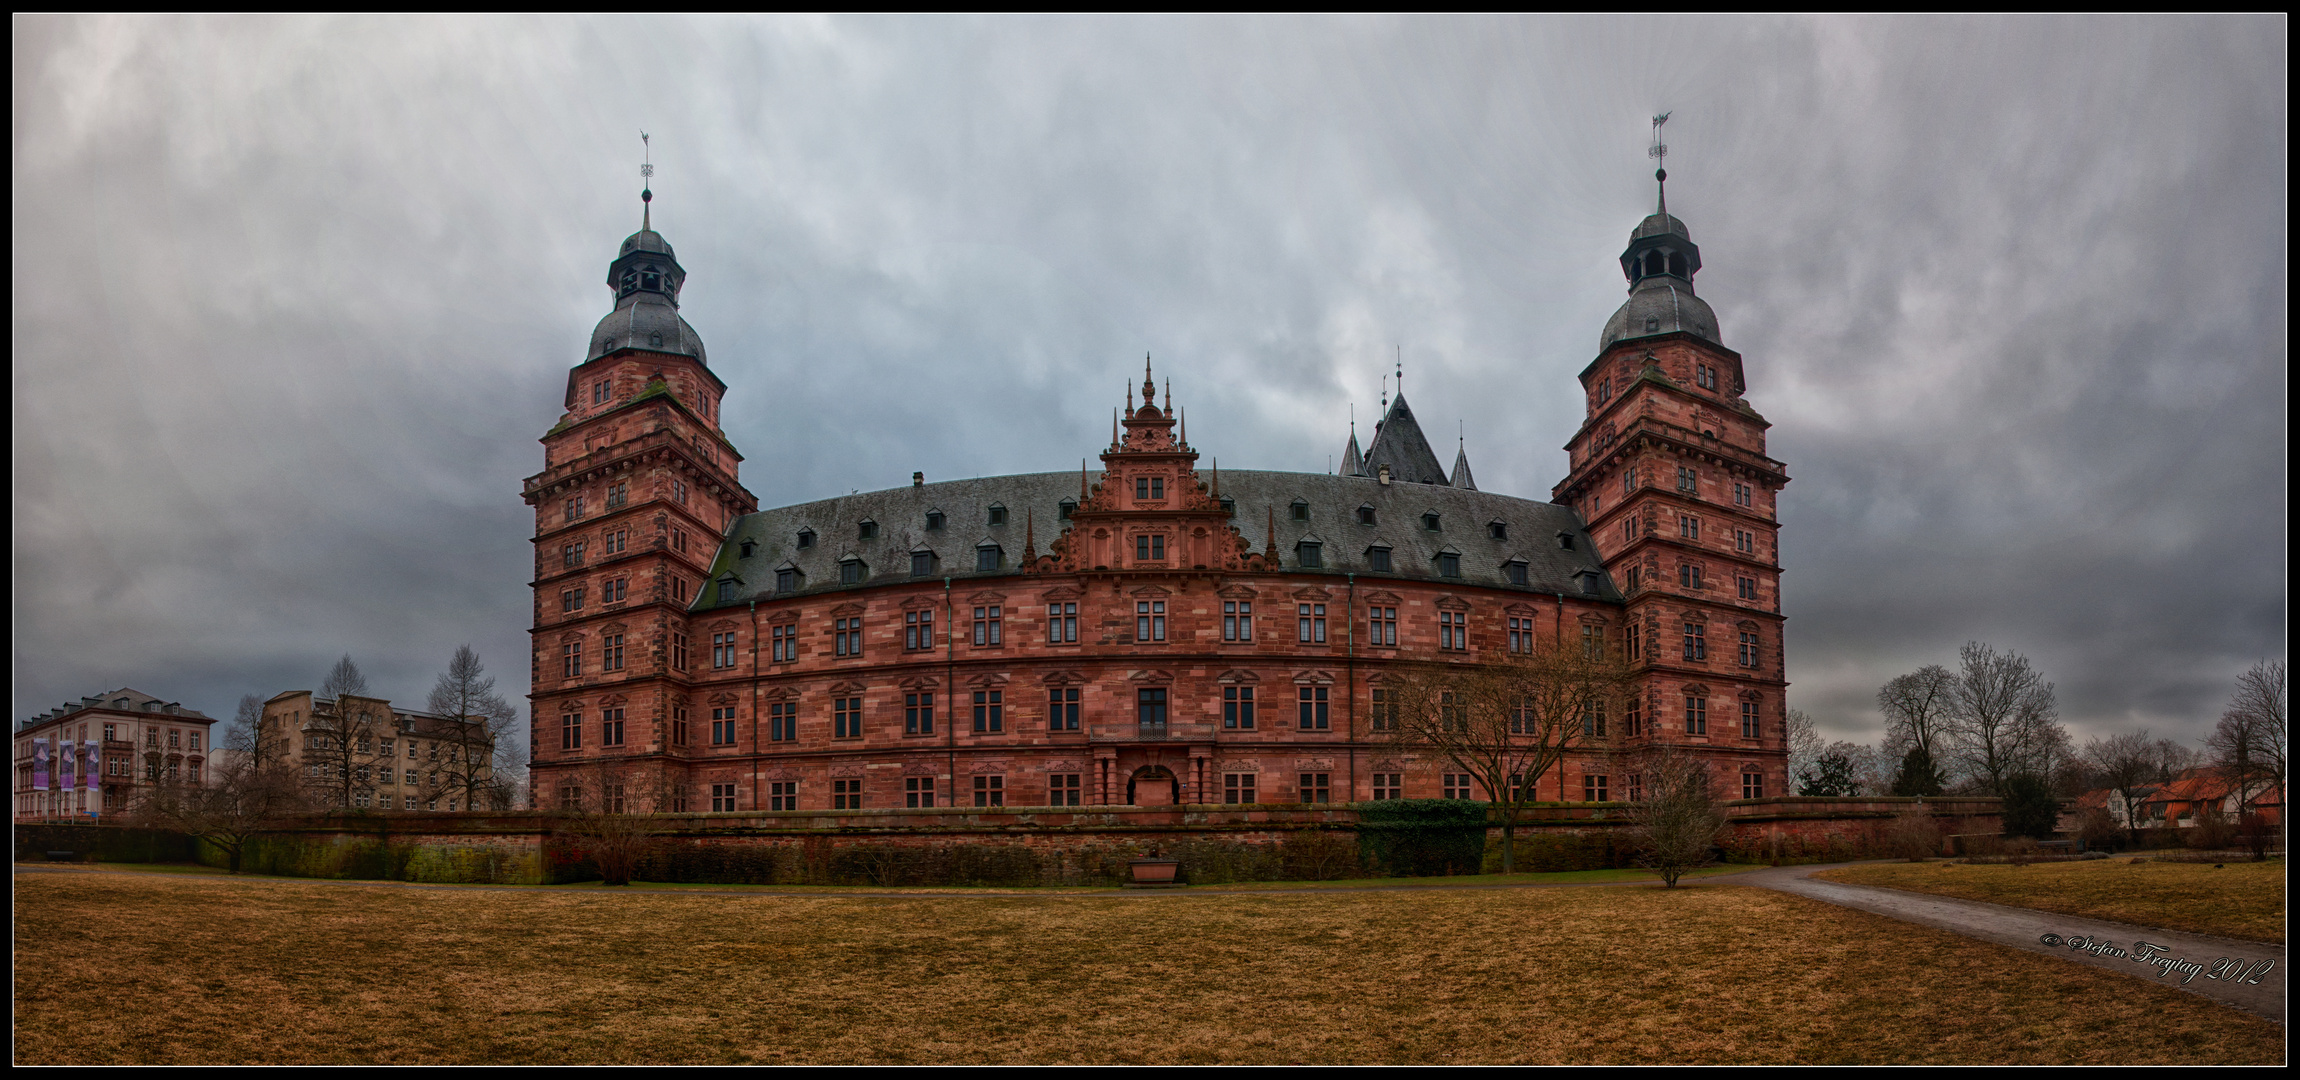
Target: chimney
(918,479)
(1384,474)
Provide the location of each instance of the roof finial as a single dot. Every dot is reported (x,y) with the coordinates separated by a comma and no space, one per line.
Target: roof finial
(1401,371)
(1659,152)
(646,192)
(1149,388)
(1385,396)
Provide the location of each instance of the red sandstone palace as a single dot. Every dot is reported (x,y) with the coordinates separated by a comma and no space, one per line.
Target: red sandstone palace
(1151,633)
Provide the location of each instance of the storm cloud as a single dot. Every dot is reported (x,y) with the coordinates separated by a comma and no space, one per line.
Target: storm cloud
(293,299)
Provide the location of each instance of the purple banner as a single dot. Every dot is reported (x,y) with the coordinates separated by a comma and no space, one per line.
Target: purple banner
(67,765)
(39,764)
(91,760)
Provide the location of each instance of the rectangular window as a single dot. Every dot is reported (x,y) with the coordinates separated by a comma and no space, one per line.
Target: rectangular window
(679,491)
(1062,789)
(846,718)
(1378,559)
(618,494)
(783,643)
(611,652)
(1687,480)
(1149,487)
(922,564)
(678,725)
(990,791)
(782,721)
(989,711)
(1628,480)
(1745,588)
(723,726)
(1593,720)
(1748,648)
(1385,711)
(1453,714)
(1520,634)
(1061,624)
(1382,626)
(846,795)
(1689,576)
(612,543)
(1688,527)
(1696,648)
(1389,786)
(1752,785)
(723,650)
(1314,714)
(1150,712)
(722,798)
(918,791)
(988,629)
(571,600)
(611,727)
(1238,708)
(1238,788)
(1633,717)
(615,591)
(918,630)
(1593,642)
(1150,548)
(918,714)
(1237,620)
(570,732)
(1310,622)
(1150,620)
(678,539)
(1062,708)
(1453,630)
(1696,715)
(783,795)
(1749,720)
(846,637)
(1315,788)
(571,660)
(1449,565)
(1593,789)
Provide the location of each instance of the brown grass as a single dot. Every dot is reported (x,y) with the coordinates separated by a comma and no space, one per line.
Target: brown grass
(120,968)
(2245,900)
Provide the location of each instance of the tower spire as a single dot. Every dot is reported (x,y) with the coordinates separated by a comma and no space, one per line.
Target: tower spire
(646,190)
(1659,152)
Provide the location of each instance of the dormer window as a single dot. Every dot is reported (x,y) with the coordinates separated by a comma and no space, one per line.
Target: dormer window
(749,546)
(1589,582)
(1430,522)
(806,538)
(726,589)
(1067,508)
(852,571)
(1378,559)
(922,564)
(868,530)
(988,557)
(1515,571)
(1366,515)
(1301,510)
(787,580)
(1449,564)
(934,521)
(1310,555)
(997,514)
(1229,505)
(1565,541)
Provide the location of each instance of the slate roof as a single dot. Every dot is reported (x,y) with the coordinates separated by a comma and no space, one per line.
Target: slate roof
(1331,503)
(123,699)
(1400,444)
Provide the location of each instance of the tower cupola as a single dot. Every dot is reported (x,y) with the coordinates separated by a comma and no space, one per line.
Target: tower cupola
(1660,262)
(646,277)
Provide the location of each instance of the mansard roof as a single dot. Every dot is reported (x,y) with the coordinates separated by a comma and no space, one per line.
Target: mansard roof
(1264,502)
(124,699)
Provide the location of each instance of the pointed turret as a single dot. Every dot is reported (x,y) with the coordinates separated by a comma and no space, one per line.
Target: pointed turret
(1353,462)
(1400,444)
(1461,477)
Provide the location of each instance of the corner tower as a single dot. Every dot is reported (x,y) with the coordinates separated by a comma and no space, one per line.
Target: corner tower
(638,486)
(1669,470)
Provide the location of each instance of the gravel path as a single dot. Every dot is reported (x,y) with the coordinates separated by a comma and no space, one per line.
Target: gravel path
(2246,974)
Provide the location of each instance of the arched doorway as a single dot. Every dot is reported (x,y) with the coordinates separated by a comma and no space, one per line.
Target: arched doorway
(1153,785)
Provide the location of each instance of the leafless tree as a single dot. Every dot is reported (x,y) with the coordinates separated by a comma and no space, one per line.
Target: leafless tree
(2002,718)
(1805,746)
(477,731)
(2248,745)
(1508,723)
(2128,765)
(1916,708)
(242,797)
(609,814)
(340,743)
(1677,816)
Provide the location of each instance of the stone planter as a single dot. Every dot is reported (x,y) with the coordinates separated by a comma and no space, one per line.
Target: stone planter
(1153,873)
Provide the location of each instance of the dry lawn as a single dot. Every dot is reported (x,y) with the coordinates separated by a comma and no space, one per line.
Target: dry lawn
(123,968)
(2245,900)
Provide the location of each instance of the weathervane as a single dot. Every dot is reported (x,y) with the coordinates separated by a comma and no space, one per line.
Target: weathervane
(646,192)
(1659,152)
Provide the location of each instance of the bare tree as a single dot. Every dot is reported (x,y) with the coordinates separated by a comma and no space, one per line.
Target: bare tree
(1508,723)
(340,742)
(1916,708)
(1805,744)
(2128,765)
(2248,745)
(2174,757)
(2002,719)
(1677,817)
(609,815)
(241,798)
(477,731)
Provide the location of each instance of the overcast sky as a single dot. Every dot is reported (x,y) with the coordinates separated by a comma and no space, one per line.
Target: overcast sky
(294,298)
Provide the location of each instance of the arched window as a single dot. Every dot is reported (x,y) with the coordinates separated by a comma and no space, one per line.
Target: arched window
(1652,263)
(1677,264)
